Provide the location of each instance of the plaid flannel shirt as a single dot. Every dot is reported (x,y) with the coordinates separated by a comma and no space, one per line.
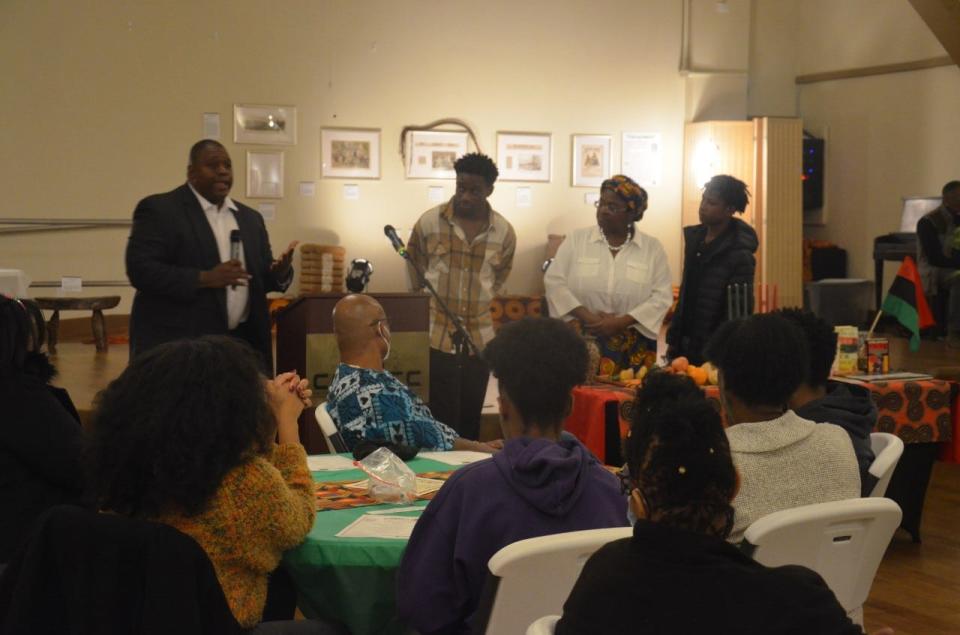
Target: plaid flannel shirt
(466,276)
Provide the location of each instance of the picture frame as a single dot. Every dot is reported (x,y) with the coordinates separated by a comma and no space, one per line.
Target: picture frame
(264,173)
(591,159)
(265,125)
(525,156)
(350,153)
(432,153)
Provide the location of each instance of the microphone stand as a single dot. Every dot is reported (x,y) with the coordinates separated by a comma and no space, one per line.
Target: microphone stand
(463,344)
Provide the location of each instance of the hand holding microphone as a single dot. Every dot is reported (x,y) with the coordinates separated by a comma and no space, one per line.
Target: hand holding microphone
(229,273)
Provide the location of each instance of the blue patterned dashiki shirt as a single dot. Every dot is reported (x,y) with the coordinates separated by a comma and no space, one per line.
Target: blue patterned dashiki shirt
(373,404)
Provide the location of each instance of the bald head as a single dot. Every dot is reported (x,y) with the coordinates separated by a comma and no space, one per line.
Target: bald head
(356,320)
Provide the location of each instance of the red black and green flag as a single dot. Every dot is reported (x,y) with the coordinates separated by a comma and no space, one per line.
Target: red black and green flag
(906,302)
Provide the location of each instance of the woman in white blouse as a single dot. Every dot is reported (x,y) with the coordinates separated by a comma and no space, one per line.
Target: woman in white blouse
(613,279)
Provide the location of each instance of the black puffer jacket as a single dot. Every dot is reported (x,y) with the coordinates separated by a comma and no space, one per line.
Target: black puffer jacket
(700,311)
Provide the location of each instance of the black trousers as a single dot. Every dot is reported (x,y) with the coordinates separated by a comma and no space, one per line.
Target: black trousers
(473,388)
(245,333)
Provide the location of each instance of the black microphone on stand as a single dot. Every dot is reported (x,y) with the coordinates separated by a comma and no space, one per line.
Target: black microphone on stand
(398,245)
(359,276)
(234,248)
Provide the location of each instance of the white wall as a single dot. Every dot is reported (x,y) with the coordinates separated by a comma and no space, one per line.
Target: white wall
(102,99)
(888,136)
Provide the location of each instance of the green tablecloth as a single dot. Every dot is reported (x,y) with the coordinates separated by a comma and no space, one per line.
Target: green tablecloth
(351,580)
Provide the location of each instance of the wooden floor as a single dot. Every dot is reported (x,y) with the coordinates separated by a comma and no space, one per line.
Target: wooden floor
(917,589)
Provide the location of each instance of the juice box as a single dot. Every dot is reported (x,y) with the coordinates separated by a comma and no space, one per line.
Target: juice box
(845,363)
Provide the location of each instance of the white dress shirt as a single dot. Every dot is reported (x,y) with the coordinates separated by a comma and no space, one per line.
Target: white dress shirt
(637,282)
(222,222)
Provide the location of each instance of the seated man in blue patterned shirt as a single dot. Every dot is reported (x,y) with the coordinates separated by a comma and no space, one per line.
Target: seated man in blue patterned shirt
(366,401)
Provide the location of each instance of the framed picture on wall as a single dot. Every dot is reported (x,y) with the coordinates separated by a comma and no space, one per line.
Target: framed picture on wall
(266,125)
(524,156)
(591,159)
(431,154)
(350,153)
(265,174)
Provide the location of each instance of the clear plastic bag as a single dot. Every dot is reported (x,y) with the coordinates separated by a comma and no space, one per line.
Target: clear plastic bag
(391,481)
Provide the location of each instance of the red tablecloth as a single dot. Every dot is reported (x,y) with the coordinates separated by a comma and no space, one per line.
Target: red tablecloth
(925,411)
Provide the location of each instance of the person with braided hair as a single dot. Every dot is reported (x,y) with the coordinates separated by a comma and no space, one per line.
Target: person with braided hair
(678,574)
(613,280)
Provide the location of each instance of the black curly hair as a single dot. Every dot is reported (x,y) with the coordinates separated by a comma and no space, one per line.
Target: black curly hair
(170,427)
(538,362)
(22,334)
(949,187)
(821,344)
(731,190)
(679,458)
(479,164)
(762,358)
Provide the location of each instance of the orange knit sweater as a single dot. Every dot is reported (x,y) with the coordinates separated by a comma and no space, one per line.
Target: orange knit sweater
(263,507)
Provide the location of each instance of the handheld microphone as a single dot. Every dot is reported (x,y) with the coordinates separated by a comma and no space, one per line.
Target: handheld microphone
(235,244)
(234,248)
(398,245)
(359,276)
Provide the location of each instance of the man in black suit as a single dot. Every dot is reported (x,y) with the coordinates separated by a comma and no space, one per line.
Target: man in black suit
(179,260)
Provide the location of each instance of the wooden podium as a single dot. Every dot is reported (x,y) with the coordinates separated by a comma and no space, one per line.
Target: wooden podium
(305,343)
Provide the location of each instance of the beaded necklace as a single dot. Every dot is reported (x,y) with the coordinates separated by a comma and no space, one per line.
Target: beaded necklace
(618,247)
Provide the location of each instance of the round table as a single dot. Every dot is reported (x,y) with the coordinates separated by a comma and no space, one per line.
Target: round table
(351,580)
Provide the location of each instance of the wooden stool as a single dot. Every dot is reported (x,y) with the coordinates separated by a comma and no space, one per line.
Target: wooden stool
(97,305)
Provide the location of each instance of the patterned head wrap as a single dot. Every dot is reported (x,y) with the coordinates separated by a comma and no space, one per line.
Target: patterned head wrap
(627,189)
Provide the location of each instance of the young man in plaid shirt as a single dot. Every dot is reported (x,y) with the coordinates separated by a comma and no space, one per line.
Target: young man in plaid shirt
(466,251)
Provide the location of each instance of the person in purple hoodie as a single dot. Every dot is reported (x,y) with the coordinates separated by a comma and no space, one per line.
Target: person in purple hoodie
(539,484)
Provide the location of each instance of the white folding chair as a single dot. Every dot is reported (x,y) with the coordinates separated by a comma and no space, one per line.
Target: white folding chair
(887,450)
(531,578)
(544,626)
(334,439)
(844,541)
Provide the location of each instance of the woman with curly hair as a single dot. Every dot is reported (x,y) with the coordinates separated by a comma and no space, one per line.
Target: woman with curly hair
(40,437)
(678,574)
(613,279)
(186,437)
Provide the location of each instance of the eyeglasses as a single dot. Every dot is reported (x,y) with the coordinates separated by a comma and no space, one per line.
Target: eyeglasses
(614,210)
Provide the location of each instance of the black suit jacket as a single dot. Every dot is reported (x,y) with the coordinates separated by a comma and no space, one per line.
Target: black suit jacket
(170,244)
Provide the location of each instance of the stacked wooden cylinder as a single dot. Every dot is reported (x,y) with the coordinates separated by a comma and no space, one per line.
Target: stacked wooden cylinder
(321,268)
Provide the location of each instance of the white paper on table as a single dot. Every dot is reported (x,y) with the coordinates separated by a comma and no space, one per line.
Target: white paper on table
(382,526)
(424,486)
(323,462)
(455,457)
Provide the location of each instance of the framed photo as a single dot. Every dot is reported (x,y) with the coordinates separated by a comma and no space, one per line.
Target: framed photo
(524,156)
(350,153)
(431,154)
(591,159)
(266,125)
(265,173)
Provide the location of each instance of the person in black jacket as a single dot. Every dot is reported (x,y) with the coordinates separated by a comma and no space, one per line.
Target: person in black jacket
(190,278)
(718,253)
(819,399)
(40,433)
(678,574)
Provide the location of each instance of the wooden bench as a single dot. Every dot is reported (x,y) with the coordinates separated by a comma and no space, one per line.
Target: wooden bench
(95,304)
